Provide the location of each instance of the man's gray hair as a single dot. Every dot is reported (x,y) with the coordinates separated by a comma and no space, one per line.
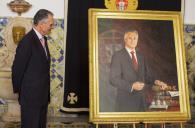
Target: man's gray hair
(41,15)
(130,31)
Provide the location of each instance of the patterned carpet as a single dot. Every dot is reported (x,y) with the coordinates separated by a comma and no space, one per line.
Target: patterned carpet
(81,121)
(87,125)
(50,125)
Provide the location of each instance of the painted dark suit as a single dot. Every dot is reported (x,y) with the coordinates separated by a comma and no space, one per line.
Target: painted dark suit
(31,72)
(122,76)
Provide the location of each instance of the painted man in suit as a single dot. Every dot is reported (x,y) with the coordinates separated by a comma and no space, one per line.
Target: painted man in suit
(131,76)
(31,72)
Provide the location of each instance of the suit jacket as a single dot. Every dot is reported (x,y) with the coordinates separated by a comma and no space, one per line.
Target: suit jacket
(123,75)
(31,71)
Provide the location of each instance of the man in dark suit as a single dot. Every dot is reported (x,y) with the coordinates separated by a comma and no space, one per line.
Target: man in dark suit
(31,72)
(130,74)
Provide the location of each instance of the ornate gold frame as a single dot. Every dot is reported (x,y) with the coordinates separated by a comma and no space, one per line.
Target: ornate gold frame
(97,116)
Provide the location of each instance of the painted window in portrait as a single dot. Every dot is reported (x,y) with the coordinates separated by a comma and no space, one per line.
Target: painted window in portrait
(137,66)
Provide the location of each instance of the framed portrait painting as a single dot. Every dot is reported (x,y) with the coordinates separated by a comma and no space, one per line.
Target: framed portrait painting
(137,67)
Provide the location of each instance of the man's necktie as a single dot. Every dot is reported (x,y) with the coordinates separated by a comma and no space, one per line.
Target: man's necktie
(43,44)
(134,62)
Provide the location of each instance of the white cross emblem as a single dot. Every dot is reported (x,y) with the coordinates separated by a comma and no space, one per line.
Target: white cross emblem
(72,98)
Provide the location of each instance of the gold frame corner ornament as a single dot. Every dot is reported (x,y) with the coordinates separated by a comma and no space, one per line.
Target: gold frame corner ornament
(121,5)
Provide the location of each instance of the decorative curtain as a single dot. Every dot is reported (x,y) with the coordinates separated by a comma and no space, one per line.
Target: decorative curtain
(76,85)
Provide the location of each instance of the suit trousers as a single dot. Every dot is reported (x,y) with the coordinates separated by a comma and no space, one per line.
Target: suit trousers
(33,117)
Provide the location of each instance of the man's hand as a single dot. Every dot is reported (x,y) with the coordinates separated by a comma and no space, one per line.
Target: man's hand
(137,86)
(162,85)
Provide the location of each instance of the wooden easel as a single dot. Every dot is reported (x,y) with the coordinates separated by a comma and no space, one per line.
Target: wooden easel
(163,125)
